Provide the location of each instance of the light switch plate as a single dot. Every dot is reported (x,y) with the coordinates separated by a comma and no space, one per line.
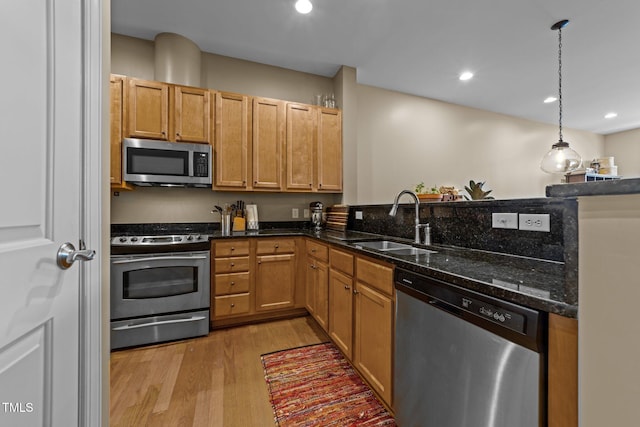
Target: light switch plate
(295,212)
(305,213)
(535,222)
(504,220)
(358,214)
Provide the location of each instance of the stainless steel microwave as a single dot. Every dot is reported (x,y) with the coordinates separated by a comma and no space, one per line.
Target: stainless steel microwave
(148,162)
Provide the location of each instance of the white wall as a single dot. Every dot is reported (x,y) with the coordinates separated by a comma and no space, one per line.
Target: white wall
(609,348)
(625,147)
(404,139)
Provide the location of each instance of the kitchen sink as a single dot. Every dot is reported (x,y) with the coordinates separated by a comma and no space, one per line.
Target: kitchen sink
(383,245)
(411,251)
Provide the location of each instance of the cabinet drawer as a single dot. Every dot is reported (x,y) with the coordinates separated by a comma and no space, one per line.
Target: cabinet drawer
(232,265)
(231,283)
(375,274)
(231,305)
(232,248)
(275,246)
(342,261)
(317,251)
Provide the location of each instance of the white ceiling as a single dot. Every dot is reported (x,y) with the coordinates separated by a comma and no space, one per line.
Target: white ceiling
(420,47)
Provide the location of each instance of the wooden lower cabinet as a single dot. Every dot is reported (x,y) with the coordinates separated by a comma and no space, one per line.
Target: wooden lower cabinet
(374,326)
(341,311)
(275,281)
(562,387)
(317,291)
(317,281)
(255,279)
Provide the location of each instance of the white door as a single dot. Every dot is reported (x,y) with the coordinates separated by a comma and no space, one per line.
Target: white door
(43,117)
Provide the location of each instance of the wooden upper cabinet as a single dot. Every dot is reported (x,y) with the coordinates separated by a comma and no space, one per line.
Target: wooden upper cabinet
(329,150)
(232,142)
(191,110)
(301,136)
(147,110)
(116,97)
(268,143)
(116,92)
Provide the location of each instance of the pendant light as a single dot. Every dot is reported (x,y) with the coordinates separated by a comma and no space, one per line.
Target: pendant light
(561,158)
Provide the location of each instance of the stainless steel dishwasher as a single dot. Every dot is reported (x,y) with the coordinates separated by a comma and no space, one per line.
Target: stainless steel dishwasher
(464,359)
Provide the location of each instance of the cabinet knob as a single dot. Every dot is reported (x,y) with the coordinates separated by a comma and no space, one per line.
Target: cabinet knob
(259,262)
(313,250)
(310,184)
(232,283)
(232,248)
(319,185)
(255,182)
(347,287)
(233,264)
(355,292)
(232,305)
(276,246)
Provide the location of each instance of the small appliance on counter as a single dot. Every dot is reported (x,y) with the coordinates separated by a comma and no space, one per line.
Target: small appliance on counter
(316,215)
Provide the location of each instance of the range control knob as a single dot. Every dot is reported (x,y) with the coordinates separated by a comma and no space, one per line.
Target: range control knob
(197,237)
(189,237)
(134,239)
(123,239)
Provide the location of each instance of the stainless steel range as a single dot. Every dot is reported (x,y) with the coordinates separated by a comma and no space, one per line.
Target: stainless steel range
(160,287)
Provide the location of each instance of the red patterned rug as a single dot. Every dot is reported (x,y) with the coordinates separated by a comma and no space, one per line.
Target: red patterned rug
(316,386)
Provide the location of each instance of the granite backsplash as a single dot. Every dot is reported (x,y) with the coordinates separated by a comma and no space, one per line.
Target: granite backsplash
(468,224)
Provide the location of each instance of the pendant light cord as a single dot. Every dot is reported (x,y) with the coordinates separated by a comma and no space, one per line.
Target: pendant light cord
(560,82)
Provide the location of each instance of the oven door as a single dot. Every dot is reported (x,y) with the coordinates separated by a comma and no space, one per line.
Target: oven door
(152,284)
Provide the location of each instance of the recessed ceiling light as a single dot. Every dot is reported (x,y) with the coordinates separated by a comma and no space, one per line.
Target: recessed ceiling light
(304,6)
(550,99)
(610,115)
(467,75)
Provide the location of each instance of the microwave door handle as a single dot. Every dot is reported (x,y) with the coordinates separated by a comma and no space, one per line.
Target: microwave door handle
(160,322)
(159,258)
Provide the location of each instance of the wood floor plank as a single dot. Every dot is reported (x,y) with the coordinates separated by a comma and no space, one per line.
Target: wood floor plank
(216,380)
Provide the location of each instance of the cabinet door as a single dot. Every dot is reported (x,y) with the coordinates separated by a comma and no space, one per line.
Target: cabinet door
(373,338)
(301,134)
(322,295)
(116,85)
(191,109)
(148,109)
(329,150)
(341,311)
(310,287)
(232,140)
(275,282)
(268,143)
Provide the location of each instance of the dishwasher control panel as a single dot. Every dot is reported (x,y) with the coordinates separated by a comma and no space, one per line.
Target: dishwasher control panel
(492,313)
(469,304)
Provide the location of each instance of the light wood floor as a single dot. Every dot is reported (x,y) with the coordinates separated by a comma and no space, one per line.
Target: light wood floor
(210,381)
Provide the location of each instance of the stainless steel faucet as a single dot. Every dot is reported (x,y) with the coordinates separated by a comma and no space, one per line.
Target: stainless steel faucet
(394,210)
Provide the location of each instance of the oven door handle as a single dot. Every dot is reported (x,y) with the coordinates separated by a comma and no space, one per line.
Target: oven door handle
(161,322)
(159,258)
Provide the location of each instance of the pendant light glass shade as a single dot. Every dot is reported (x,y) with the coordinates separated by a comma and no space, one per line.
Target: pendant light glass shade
(561,158)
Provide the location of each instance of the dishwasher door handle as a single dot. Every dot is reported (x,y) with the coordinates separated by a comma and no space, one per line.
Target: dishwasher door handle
(446,307)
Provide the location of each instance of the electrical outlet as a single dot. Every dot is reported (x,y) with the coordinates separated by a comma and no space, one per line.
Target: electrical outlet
(295,213)
(535,222)
(504,220)
(358,214)
(305,213)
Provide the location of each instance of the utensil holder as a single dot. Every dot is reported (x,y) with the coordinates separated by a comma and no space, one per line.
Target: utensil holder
(225,224)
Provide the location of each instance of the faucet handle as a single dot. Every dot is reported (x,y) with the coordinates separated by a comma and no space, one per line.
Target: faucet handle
(427,233)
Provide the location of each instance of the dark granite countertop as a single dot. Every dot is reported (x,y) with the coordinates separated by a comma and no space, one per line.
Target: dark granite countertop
(595,188)
(534,283)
